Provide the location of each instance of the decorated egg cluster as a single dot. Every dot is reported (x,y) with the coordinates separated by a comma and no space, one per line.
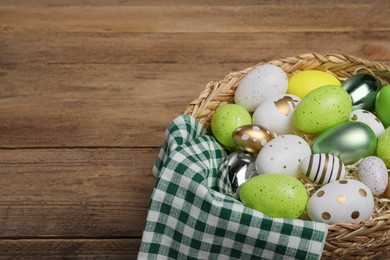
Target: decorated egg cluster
(308,145)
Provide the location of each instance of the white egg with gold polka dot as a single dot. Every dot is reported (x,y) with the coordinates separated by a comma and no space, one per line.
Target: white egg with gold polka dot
(343,201)
(369,119)
(283,154)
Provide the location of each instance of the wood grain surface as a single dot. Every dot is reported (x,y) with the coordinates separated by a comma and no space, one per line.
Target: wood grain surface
(87,89)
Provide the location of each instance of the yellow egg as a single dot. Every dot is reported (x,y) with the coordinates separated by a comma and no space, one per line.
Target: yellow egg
(303,82)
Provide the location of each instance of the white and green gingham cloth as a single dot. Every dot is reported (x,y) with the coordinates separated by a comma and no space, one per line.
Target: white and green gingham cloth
(189,217)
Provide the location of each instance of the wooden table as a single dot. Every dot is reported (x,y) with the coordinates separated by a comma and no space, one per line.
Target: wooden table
(87,89)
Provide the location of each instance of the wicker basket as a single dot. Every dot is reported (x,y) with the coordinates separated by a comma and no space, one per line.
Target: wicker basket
(344,241)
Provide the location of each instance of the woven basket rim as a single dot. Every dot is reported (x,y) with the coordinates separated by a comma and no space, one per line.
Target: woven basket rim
(366,239)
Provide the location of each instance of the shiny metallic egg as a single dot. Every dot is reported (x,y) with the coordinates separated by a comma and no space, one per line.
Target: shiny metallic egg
(251,138)
(237,168)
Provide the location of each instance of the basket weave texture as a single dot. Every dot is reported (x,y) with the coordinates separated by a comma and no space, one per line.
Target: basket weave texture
(368,240)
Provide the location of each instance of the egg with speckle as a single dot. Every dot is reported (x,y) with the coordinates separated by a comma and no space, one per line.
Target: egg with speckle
(225,120)
(262,82)
(276,113)
(276,195)
(373,173)
(369,119)
(252,138)
(283,154)
(383,148)
(343,201)
(382,105)
(323,168)
(303,82)
(322,108)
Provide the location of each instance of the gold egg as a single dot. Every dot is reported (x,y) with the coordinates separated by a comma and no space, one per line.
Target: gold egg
(251,138)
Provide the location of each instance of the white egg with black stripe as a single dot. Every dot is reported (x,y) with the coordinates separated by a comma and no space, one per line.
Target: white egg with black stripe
(323,168)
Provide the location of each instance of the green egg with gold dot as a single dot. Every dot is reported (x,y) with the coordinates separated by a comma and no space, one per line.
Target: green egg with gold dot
(225,120)
(276,195)
(322,108)
(382,105)
(383,147)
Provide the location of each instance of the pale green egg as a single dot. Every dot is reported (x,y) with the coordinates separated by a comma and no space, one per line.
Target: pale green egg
(225,120)
(350,141)
(322,108)
(276,195)
(383,148)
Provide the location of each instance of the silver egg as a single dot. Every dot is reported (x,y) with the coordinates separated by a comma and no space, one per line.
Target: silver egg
(363,89)
(237,168)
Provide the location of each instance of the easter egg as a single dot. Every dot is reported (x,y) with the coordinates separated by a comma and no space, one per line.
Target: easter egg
(343,201)
(350,141)
(283,154)
(303,82)
(323,168)
(225,120)
(373,173)
(237,168)
(369,119)
(322,108)
(383,149)
(382,105)
(363,89)
(252,138)
(276,113)
(276,195)
(263,82)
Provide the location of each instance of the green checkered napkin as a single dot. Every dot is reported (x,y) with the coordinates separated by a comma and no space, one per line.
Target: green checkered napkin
(189,218)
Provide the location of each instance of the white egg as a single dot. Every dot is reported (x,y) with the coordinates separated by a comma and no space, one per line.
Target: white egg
(323,168)
(373,173)
(283,154)
(263,82)
(369,119)
(276,113)
(343,201)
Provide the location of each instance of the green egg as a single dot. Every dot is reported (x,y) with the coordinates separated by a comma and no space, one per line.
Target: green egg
(383,147)
(382,105)
(276,195)
(350,141)
(322,108)
(225,120)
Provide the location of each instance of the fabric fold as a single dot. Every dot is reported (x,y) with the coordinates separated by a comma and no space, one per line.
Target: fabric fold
(189,218)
